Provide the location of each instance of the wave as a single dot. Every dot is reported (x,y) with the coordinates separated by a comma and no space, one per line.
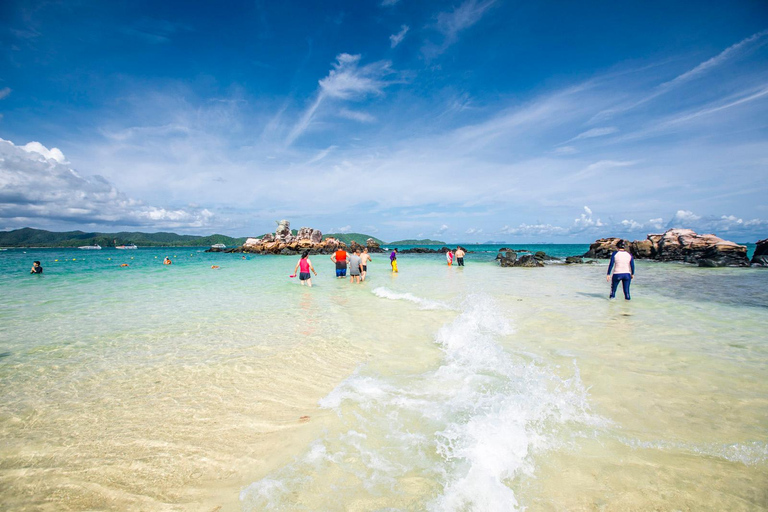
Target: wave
(386,293)
(448,439)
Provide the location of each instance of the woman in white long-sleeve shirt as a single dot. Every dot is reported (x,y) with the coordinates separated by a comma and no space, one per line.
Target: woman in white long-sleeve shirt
(623,266)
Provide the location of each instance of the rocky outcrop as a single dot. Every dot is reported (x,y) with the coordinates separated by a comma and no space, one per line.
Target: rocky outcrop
(424,250)
(760,258)
(511,258)
(373,246)
(285,243)
(677,245)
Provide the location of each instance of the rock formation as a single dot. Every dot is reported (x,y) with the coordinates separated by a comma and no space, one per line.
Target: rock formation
(284,242)
(760,258)
(509,258)
(677,245)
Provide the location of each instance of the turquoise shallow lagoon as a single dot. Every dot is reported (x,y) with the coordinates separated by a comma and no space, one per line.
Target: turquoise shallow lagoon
(184,387)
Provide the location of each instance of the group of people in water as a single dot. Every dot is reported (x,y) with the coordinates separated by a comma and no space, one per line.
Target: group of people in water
(621,268)
(357,264)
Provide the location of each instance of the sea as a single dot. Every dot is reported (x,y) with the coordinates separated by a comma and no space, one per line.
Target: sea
(219,383)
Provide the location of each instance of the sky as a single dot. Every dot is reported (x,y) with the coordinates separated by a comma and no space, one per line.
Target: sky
(465,121)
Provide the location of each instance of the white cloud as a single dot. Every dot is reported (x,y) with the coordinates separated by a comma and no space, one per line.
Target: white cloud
(682,218)
(36,147)
(533,230)
(346,81)
(566,150)
(586,220)
(473,231)
(595,132)
(396,39)
(389,3)
(4,92)
(362,117)
(443,229)
(717,60)
(344,229)
(449,24)
(37,186)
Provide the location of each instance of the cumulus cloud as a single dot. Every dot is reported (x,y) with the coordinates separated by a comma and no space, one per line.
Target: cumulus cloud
(443,229)
(37,186)
(4,92)
(396,39)
(682,218)
(586,220)
(344,229)
(473,231)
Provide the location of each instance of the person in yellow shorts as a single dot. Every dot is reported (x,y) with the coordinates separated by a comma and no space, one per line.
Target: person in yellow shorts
(393,260)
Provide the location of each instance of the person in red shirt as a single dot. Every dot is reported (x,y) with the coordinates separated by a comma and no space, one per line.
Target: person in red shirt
(340,259)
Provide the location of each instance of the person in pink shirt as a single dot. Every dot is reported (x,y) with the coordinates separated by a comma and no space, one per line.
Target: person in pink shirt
(304,266)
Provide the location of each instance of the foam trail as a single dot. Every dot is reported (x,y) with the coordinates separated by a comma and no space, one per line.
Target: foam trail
(386,293)
(467,428)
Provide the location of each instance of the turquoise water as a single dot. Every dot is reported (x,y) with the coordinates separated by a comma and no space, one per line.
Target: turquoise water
(152,387)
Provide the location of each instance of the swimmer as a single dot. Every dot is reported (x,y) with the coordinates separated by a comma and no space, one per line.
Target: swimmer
(623,266)
(364,259)
(167,261)
(36,268)
(304,265)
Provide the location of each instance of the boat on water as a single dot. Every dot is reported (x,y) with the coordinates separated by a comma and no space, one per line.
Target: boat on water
(129,246)
(218,246)
(94,247)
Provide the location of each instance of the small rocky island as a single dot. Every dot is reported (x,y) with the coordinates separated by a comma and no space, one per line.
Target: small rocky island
(683,245)
(284,242)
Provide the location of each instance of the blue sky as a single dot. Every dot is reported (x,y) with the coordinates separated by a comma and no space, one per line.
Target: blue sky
(467,121)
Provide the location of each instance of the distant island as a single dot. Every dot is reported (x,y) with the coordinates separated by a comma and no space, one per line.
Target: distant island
(28,237)
(425,241)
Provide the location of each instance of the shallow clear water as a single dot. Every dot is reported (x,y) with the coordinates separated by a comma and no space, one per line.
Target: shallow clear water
(476,388)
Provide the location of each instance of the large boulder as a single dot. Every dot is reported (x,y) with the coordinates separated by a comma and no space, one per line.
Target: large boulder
(602,248)
(677,245)
(283,231)
(760,258)
(373,246)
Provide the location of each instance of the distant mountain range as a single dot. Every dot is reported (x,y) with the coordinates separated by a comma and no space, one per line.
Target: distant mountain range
(29,237)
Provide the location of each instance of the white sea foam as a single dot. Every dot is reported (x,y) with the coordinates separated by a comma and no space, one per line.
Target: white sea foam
(749,454)
(470,426)
(386,293)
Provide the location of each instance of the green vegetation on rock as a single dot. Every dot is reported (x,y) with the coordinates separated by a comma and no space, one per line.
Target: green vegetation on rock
(348,237)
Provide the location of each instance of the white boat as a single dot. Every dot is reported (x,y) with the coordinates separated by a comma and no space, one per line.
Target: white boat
(94,247)
(218,246)
(129,246)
